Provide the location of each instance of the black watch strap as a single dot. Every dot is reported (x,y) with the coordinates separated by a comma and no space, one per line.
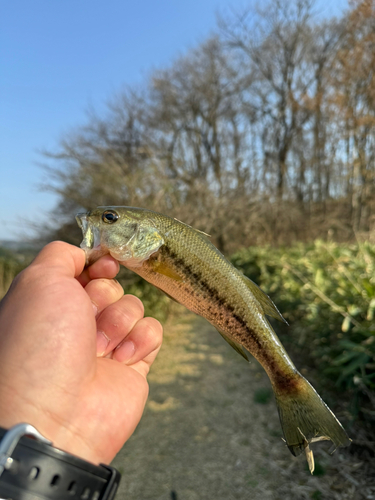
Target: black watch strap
(32,469)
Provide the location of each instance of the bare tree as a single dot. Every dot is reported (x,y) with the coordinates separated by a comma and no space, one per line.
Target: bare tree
(354,87)
(263,133)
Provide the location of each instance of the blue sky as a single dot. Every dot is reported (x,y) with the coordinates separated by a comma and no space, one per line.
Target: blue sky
(58,58)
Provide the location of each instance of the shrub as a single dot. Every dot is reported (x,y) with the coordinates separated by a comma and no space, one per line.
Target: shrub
(326,291)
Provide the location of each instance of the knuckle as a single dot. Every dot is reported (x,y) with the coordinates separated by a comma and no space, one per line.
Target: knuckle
(30,275)
(135,304)
(108,286)
(154,331)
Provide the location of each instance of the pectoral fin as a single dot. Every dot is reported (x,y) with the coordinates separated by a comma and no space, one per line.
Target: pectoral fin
(236,346)
(163,268)
(268,306)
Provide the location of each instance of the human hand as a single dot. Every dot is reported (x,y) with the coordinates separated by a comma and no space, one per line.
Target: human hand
(51,376)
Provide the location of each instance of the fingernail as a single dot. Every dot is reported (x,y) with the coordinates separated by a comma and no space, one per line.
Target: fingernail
(95,307)
(125,351)
(102,342)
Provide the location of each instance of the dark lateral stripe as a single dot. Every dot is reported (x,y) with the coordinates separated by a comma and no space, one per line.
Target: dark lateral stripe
(284,381)
(196,276)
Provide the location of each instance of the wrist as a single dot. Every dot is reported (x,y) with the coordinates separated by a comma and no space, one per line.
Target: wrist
(51,425)
(34,468)
(60,436)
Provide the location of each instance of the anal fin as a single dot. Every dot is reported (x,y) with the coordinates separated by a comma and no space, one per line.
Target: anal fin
(236,346)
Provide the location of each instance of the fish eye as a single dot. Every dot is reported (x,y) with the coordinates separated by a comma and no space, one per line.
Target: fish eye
(109,216)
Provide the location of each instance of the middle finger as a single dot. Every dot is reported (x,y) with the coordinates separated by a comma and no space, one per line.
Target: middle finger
(103,292)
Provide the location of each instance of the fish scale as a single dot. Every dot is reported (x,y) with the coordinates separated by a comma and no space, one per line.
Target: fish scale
(183,263)
(205,292)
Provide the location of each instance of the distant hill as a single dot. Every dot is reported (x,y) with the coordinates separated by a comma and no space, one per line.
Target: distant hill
(19,246)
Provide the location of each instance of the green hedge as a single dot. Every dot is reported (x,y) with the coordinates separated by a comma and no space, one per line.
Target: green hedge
(12,261)
(9,268)
(326,292)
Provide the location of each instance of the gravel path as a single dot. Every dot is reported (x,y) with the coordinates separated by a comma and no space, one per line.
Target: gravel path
(211,431)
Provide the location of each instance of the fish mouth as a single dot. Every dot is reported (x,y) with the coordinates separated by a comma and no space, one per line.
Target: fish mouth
(91,235)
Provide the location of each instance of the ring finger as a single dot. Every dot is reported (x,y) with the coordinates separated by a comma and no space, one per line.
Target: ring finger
(116,321)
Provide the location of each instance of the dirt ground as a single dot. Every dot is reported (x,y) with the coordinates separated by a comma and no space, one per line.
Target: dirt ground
(211,431)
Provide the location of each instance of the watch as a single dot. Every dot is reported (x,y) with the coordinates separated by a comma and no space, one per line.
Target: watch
(32,469)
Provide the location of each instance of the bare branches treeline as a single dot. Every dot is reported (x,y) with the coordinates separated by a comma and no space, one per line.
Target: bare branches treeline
(264,133)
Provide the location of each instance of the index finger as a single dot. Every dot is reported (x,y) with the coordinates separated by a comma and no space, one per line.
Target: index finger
(105,267)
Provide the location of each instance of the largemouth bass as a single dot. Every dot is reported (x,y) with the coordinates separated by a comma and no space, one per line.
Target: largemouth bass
(183,263)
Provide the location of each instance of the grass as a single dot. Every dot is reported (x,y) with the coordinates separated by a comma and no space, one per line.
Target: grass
(263,395)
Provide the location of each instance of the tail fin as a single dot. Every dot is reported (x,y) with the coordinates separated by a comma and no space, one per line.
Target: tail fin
(305,417)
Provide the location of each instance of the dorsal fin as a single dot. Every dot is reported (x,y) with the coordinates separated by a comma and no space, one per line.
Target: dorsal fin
(268,306)
(193,228)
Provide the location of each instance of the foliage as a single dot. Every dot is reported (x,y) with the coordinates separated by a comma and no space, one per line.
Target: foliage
(10,266)
(263,395)
(326,292)
(263,133)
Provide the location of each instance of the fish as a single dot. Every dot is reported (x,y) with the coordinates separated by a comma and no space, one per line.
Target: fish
(183,263)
